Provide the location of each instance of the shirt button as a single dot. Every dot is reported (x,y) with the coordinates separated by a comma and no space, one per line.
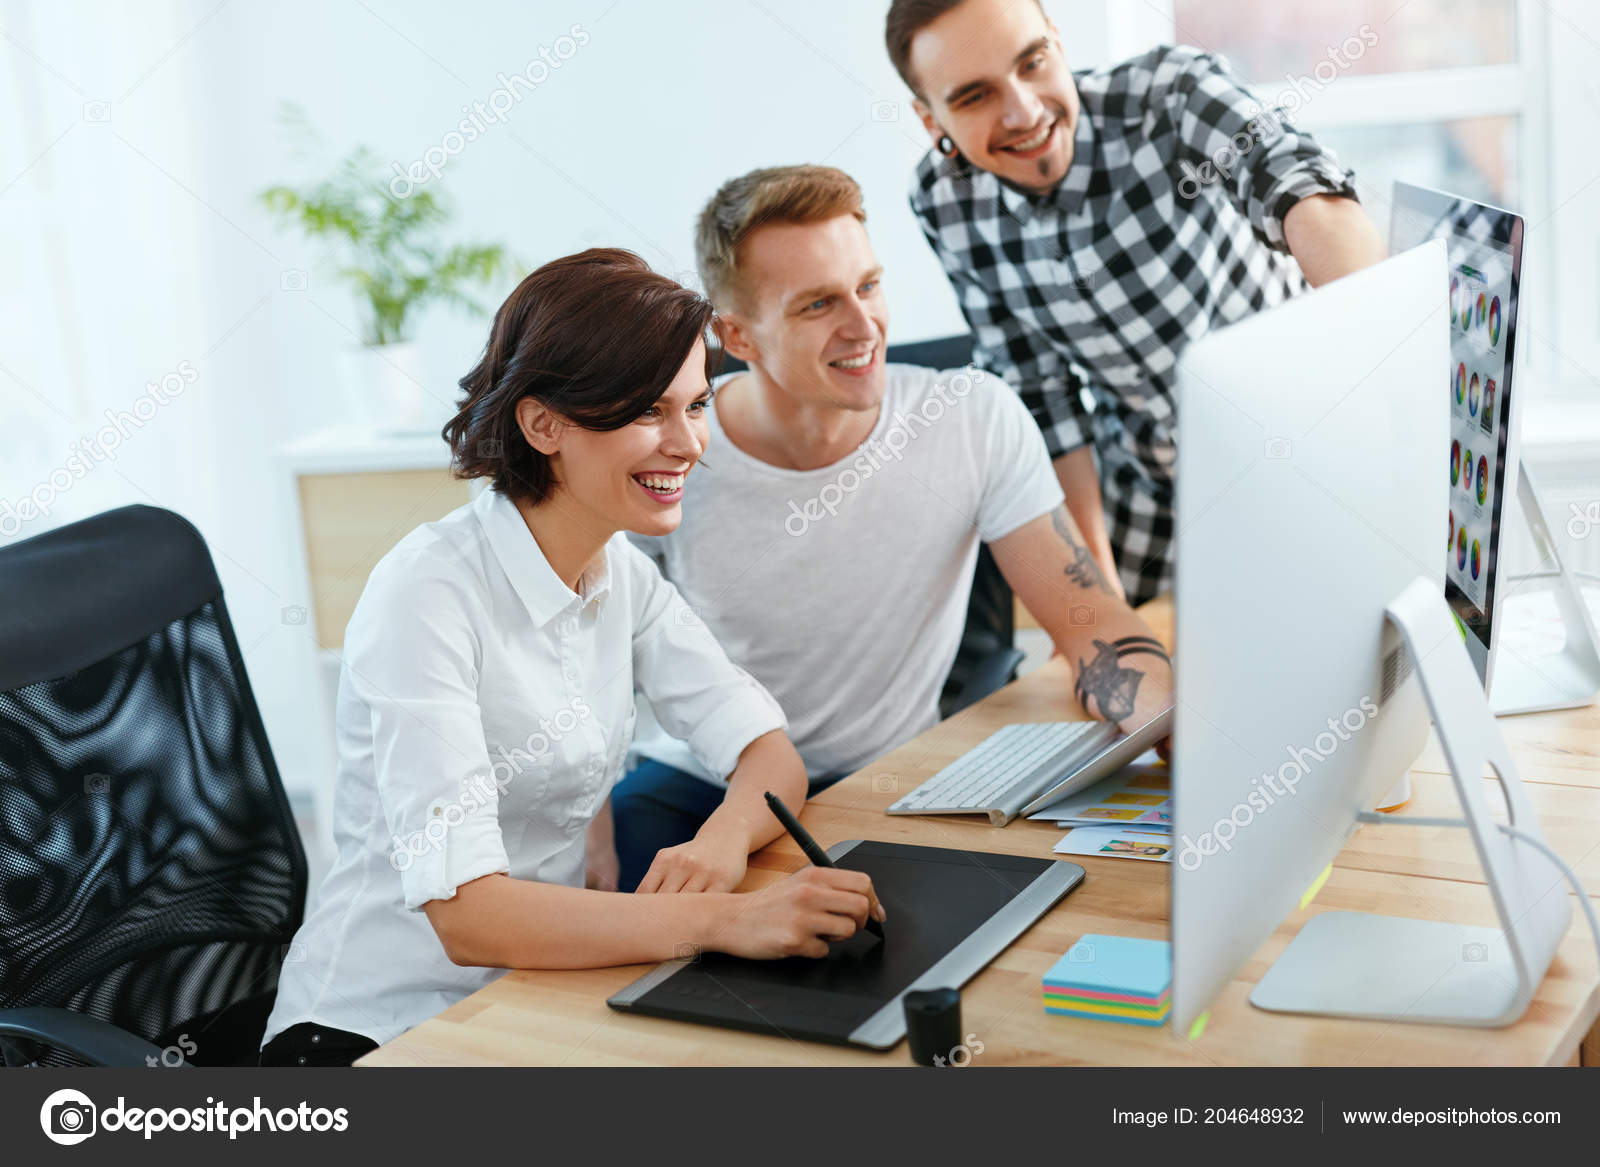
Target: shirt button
(301,1059)
(316,1039)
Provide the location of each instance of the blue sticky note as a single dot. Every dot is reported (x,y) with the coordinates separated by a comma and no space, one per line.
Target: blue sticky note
(1114,964)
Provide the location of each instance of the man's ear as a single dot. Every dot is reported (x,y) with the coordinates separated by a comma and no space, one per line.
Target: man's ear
(734,337)
(540,425)
(928,122)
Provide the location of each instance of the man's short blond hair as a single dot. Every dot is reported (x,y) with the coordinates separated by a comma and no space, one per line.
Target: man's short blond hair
(776,194)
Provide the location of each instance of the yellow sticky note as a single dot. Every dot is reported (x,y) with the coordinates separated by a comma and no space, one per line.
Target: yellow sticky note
(1199,1026)
(1316,886)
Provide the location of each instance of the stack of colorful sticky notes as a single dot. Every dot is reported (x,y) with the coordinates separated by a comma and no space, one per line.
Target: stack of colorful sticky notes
(1113,978)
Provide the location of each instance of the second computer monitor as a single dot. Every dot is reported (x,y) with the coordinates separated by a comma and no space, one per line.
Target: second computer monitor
(1309,497)
(1485,276)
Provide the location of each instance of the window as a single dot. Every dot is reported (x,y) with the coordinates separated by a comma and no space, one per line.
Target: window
(1451,94)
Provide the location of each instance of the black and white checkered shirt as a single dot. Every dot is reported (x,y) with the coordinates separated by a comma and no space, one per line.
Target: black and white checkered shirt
(1143,246)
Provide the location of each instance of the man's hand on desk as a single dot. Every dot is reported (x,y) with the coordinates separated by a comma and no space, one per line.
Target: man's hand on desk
(711,861)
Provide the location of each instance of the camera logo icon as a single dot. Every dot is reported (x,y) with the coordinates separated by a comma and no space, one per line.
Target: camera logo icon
(885,784)
(688,953)
(885,111)
(67,1117)
(1476,952)
(1081,954)
(1081,615)
(293,614)
(293,280)
(97,111)
(1278,449)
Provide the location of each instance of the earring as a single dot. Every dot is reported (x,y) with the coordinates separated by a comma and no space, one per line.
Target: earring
(945,146)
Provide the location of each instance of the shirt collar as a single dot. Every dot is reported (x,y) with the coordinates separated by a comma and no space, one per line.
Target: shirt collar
(533,579)
(1068,193)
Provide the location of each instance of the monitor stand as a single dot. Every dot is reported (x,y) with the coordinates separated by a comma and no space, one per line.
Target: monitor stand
(1356,964)
(1568,678)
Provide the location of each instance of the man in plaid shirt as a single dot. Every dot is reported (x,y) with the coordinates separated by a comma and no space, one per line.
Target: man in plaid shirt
(1093,224)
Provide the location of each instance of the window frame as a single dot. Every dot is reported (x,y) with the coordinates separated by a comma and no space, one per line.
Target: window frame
(1562,298)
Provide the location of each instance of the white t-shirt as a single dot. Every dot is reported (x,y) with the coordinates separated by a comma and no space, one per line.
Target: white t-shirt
(844,590)
(484,713)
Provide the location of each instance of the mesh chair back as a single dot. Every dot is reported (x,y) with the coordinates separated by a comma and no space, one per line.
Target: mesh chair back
(150,870)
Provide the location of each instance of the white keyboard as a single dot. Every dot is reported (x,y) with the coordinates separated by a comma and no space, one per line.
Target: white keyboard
(1003,773)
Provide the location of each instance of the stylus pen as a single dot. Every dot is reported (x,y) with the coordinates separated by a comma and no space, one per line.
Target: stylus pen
(816,854)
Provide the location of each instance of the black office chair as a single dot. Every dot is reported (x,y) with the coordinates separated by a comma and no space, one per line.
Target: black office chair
(150,871)
(988,657)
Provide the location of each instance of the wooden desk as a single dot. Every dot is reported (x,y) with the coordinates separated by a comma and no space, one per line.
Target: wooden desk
(561,1018)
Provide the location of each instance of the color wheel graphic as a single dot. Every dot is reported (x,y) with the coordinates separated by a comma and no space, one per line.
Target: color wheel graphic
(1483,479)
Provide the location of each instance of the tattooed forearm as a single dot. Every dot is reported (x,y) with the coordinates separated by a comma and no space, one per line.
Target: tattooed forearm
(1113,687)
(1083,570)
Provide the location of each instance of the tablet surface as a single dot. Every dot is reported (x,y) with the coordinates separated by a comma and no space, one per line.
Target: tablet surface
(949,914)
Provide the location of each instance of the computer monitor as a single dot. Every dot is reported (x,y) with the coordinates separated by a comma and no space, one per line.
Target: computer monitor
(1484,248)
(1314,646)
(1308,498)
(1488,483)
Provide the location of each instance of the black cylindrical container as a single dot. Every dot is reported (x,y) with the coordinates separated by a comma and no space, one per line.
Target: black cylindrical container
(933,1025)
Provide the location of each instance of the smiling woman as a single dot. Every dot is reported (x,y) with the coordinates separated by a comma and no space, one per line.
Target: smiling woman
(486,701)
(541,350)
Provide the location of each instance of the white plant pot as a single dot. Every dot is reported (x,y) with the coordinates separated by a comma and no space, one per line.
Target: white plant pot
(384,389)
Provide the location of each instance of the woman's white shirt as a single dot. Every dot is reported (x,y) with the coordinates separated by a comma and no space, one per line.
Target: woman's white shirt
(484,713)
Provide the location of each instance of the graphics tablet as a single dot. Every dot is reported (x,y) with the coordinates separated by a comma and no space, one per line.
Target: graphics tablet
(950,913)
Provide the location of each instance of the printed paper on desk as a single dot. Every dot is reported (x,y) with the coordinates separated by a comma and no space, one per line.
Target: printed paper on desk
(1117,841)
(1138,794)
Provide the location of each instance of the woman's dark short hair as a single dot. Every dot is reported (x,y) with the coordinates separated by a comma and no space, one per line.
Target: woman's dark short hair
(597,337)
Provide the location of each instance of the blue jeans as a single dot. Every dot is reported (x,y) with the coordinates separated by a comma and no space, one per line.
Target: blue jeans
(658,806)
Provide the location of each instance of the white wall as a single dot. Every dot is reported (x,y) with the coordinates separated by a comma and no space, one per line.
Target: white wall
(135,244)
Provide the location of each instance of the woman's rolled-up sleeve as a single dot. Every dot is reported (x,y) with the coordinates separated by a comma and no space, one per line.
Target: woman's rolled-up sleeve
(412,655)
(698,695)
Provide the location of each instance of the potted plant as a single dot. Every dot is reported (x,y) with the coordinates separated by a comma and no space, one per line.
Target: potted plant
(391,253)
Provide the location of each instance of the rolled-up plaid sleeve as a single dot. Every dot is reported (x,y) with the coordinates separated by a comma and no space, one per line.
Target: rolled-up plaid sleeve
(1224,130)
(1033,366)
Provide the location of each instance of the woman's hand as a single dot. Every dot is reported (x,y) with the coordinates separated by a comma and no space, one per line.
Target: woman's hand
(711,861)
(798,915)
